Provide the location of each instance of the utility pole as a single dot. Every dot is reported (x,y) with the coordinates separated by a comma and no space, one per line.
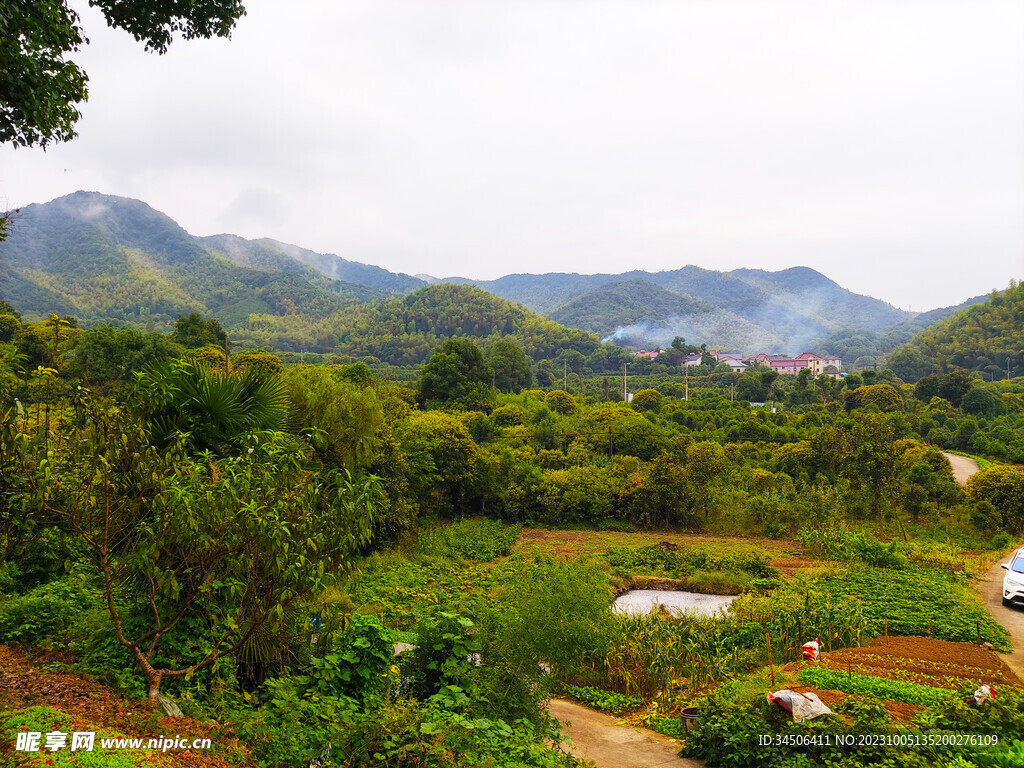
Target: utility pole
(686,380)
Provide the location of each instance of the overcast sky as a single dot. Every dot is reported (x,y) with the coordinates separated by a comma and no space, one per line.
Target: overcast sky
(880,142)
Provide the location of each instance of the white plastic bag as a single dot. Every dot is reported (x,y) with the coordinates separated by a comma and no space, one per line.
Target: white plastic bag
(803,706)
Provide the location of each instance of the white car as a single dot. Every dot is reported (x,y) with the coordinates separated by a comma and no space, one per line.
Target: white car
(1013,581)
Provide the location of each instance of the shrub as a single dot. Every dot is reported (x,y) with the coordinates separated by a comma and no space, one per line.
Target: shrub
(606,701)
(646,400)
(477,539)
(1003,487)
(43,615)
(508,416)
(560,401)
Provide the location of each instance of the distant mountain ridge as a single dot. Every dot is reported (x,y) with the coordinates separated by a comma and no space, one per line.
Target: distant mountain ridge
(283,256)
(106,258)
(111,259)
(786,311)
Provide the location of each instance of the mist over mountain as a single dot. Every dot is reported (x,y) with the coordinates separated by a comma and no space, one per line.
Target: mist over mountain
(112,259)
(745,310)
(267,253)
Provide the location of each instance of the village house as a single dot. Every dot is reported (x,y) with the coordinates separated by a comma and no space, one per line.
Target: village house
(817,365)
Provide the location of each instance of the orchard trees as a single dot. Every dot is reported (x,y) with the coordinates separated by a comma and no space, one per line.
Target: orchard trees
(457,370)
(646,400)
(233,544)
(1003,487)
(510,365)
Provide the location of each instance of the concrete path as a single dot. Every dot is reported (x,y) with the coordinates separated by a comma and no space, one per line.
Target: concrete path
(597,737)
(963,467)
(1012,618)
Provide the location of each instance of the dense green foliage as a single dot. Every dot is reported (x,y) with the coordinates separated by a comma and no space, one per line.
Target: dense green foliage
(252,539)
(921,602)
(985,337)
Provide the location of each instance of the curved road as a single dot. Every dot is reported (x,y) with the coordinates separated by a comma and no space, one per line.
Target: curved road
(1011,618)
(963,467)
(992,588)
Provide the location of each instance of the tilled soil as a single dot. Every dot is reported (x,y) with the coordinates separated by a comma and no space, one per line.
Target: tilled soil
(898,710)
(923,660)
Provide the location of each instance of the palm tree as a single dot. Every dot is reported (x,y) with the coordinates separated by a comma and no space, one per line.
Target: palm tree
(212,410)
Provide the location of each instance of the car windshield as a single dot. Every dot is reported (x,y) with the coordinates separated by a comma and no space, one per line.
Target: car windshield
(1017,566)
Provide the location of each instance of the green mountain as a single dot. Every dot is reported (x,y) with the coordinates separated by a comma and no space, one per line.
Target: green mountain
(112,259)
(987,337)
(866,348)
(628,302)
(645,314)
(274,255)
(406,330)
(789,310)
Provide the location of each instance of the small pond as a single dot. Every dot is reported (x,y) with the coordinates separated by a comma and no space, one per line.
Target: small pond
(640,601)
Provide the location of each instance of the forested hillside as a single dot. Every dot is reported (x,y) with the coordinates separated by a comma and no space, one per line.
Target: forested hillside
(406,330)
(624,303)
(868,348)
(756,310)
(987,338)
(649,316)
(110,259)
(103,259)
(272,254)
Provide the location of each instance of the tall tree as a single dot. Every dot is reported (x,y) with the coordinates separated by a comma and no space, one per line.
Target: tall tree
(455,370)
(193,332)
(511,366)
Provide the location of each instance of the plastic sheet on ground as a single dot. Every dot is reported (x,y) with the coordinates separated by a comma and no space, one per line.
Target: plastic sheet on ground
(803,706)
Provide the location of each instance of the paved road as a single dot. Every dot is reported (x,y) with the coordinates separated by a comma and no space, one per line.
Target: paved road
(596,737)
(963,467)
(992,588)
(1011,618)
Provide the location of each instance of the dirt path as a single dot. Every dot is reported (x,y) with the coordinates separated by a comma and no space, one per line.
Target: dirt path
(1011,618)
(963,467)
(596,737)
